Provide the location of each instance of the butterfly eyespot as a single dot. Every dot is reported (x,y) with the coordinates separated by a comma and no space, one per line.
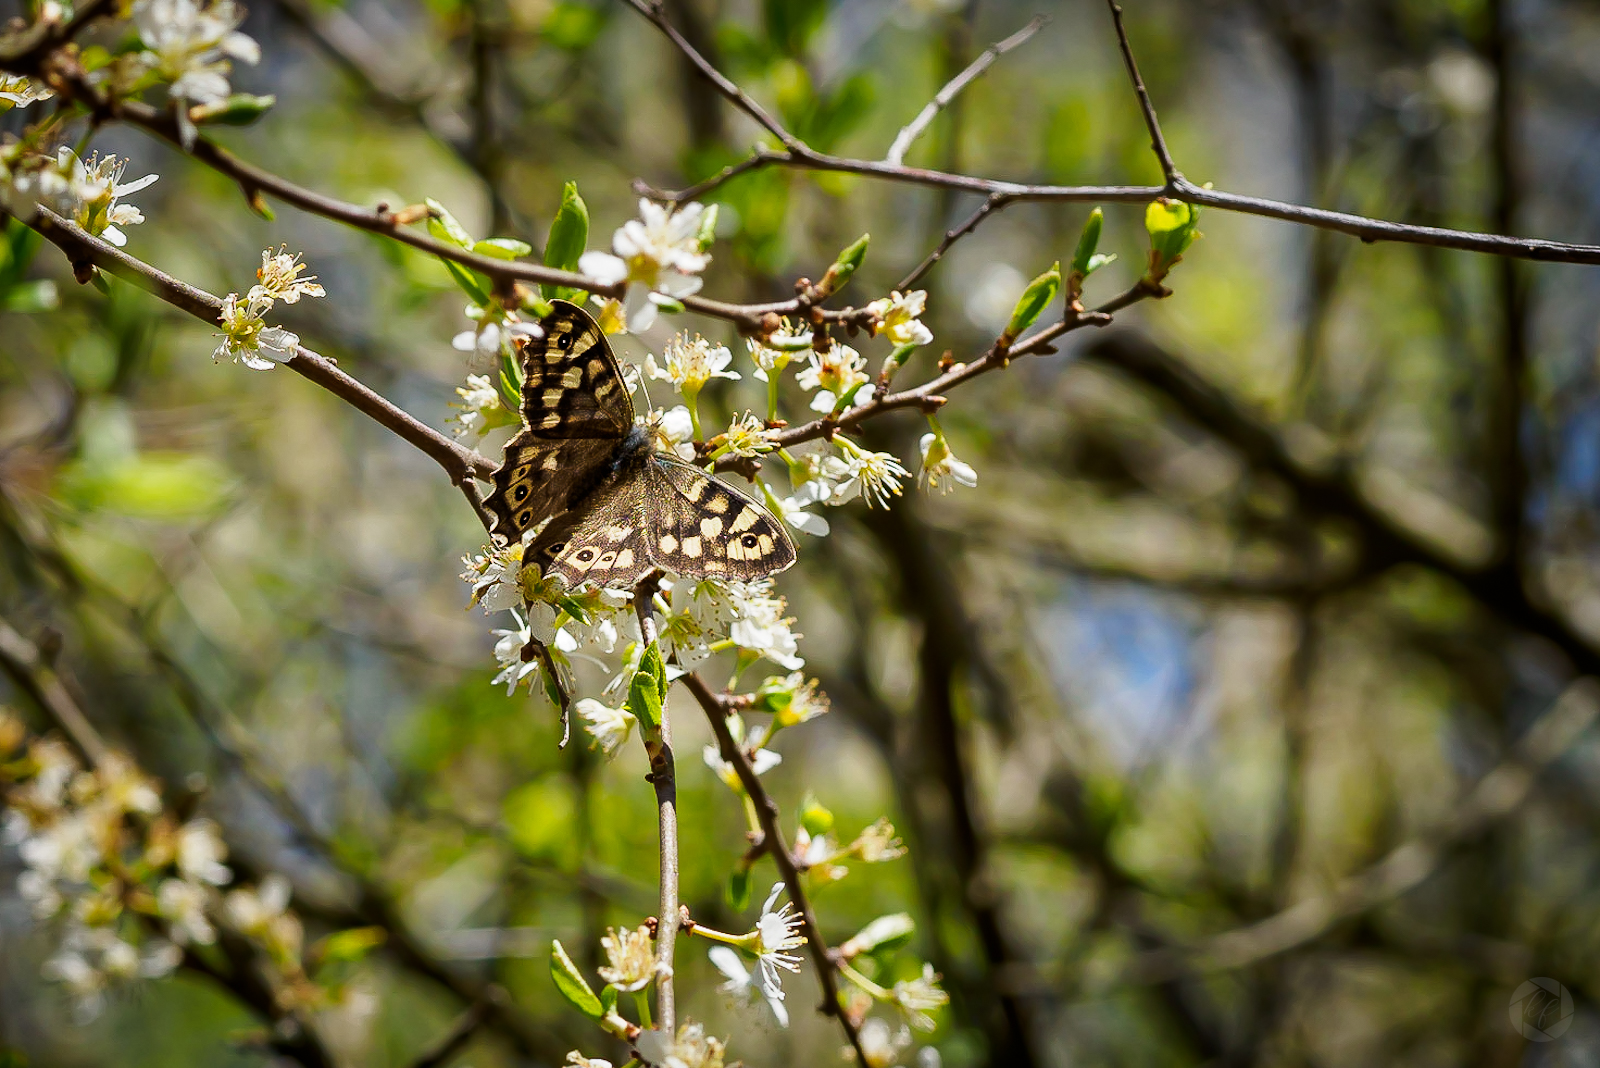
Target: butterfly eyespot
(749,541)
(584,556)
(555,550)
(563,341)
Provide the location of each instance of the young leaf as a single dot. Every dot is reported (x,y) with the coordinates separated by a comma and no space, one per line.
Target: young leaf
(738,889)
(569,236)
(1040,292)
(443,226)
(648,691)
(571,983)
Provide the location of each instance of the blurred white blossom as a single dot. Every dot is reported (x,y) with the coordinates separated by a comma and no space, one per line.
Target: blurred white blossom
(690,1048)
(190,46)
(740,985)
(610,727)
(19,92)
(915,997)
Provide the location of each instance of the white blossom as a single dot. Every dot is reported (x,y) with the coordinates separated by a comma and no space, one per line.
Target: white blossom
(746,436)
(632,958)
(759,623)
(610,727)
(480,409)
(898,317)
(578,1060)
(190,46)
(279,278)
(878,843)
(497,331)
(674,432)
(915,997)
(777,933)
(246,337)
(691,1048)
(510,651)
(881,1045)
(657,254)
(689,363)
(792,510)
(875,476)
(19,92)
(263,914)
(940,467)
(740,985)
(201,852)
(183,904)
(836,374)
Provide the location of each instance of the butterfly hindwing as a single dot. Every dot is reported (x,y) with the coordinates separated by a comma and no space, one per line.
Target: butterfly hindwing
(603,542)
(572,386)
(704,528)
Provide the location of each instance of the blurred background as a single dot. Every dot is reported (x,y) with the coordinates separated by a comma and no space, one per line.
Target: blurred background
(1256,586)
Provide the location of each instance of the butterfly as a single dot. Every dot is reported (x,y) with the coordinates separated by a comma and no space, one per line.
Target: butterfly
(617,507)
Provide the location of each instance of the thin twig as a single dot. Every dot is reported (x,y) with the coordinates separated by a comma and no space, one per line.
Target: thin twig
(664,777)
(651,9)
(994,203)
(775,844)
(914,129)
(1158,143)
(28,670)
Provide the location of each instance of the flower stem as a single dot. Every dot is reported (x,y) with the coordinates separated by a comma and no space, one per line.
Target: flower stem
(641,998)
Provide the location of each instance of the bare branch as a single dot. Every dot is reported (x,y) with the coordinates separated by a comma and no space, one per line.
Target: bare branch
(651,9)
(914,129)
(83,249)
(772,839)
(995,202)
(1158,143)
(664,777)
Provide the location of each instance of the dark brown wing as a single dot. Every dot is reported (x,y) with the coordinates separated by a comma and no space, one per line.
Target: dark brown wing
(575,411)
(704,528)
(572,386)
(540,478)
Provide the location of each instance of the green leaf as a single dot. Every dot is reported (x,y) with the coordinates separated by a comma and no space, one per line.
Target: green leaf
(502,248)
(240,109)
(648,691)
(738,889)
(1088,241)
(473,284)
(571,984)
(846,263)
(351,945)
(443,226)
(1034,300)
(707,235)
(1172,226)
(608,999)
(569,236)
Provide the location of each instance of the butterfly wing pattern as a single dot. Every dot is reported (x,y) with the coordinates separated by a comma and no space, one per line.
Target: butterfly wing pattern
(617,508)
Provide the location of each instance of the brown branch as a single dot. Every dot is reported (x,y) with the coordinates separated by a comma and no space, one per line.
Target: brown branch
(51,36)
(651,9)
(995,202)
(664,777)
(803,157)
(772,839)
(1158,143)
(82,250)
(941,100)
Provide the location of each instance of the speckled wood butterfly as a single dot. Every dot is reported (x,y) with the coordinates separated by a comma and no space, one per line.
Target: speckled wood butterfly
(617,507)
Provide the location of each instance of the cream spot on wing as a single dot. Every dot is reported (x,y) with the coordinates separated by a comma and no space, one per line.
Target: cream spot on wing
(551,397)
(691,548)
(668,543)
(766,544)
(711,526)
(745,521)
(551,462)
(573,378)
(718,505)
(597,368)
(616,534)
(550,421)
(625,558)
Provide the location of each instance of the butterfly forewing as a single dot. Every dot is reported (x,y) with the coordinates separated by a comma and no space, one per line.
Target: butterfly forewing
(572,386)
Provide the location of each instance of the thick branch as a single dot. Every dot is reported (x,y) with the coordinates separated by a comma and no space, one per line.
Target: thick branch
(773,841)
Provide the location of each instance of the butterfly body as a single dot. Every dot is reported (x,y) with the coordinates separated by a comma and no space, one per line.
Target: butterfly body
(617,507)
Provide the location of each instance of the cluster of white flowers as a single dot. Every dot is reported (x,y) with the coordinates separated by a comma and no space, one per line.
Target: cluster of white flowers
(660,255)
(190,46)
(85,191)
(103,858)
(246,337)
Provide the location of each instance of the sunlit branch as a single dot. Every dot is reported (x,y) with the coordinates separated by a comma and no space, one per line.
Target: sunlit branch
(772,839)
(1158,142)
(663,777)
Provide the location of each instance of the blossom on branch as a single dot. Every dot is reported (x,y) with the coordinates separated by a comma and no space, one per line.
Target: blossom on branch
(839,377)
(690,1048)
(632,959)
(609,727)
(898,317)
(19,92)
(190,46)
(941,469)
(740,985)
(659,255)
